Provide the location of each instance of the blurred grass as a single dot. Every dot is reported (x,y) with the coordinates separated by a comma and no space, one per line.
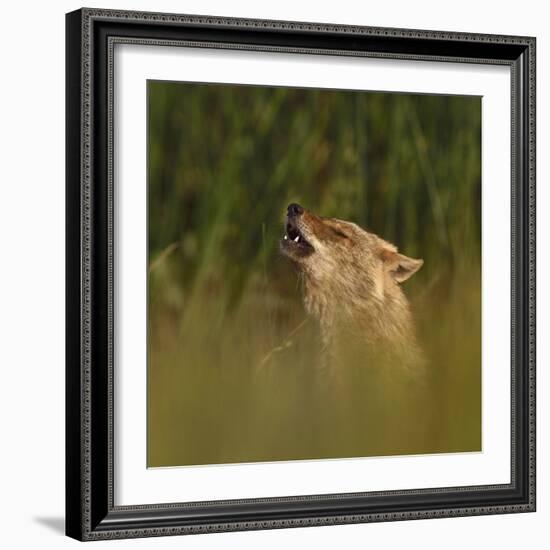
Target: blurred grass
(232,371)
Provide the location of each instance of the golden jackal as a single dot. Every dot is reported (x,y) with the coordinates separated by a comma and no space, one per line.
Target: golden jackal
(351,286)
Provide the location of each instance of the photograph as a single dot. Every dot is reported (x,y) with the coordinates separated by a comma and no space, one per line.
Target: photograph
(273,275)
(314,274)
(300,273)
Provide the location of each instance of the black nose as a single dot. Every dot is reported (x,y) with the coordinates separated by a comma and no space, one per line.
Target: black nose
(294,209)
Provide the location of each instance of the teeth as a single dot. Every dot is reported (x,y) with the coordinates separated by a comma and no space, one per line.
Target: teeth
(285,237)
(297,239)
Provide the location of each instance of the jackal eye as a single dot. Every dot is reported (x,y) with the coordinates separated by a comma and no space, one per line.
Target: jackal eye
(339,233)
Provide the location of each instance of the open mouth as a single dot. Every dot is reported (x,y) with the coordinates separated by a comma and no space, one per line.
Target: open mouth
(294,238)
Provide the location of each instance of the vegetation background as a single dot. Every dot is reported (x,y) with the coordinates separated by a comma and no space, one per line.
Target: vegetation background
(232,358)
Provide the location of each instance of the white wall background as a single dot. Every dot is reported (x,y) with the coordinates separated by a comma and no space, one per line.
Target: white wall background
(32,271)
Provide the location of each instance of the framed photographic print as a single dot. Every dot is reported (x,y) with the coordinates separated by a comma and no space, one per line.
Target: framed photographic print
(300,274)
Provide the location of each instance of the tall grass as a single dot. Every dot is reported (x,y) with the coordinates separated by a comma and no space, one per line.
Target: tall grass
(233,373)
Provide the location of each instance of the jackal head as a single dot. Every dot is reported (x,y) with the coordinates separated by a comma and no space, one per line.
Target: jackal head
(341,250)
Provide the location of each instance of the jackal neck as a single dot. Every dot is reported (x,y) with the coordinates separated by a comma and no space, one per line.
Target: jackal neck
(360,312)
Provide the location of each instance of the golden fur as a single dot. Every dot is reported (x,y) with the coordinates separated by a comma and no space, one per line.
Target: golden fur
(351,284)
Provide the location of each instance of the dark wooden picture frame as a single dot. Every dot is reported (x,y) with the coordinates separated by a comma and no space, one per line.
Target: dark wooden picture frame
(90,510)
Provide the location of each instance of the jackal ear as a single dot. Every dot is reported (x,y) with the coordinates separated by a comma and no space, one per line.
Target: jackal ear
(398,266)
